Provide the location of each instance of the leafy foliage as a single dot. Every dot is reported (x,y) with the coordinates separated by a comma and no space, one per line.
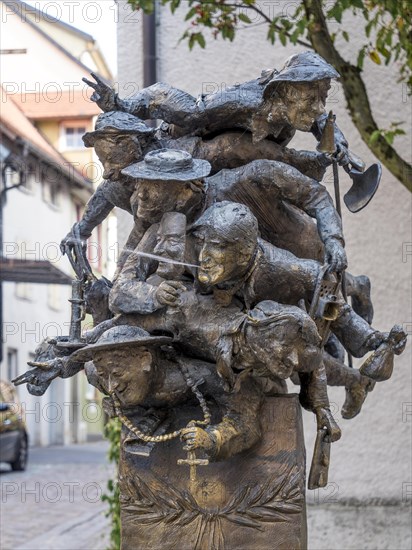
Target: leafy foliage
(112,432)
(387,25)
(388,135)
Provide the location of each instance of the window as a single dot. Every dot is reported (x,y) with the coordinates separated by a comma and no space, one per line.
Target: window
(11,176)
(24,291)
(51,193)
(72,137)
(54,297)
(11,363)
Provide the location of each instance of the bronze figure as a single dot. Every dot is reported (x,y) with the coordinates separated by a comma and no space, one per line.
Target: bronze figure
(232,281)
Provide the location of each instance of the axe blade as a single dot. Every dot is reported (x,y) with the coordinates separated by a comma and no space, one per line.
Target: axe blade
(365,185)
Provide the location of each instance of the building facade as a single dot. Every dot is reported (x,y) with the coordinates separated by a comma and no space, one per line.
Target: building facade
(48,110)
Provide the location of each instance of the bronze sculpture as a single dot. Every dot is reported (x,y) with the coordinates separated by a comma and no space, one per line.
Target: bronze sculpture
(231,282)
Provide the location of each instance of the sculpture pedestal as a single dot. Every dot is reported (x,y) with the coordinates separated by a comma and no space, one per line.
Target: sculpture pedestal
(254,500)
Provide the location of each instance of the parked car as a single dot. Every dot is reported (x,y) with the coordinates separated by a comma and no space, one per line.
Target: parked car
(13,435)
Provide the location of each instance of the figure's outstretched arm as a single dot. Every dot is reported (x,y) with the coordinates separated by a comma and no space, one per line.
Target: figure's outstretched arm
(240,426)
(235,149)
(157,101)
(314,397)
(97,209)
(131,293)
(283,182)
(41,375)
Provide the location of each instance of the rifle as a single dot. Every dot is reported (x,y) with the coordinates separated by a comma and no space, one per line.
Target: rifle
(323,310)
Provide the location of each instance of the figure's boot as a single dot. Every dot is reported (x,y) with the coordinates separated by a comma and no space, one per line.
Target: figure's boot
(379,365)
(356,393)
(361,298)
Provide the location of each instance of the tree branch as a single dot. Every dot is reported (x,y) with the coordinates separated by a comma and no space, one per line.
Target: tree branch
(355,94)
(257,10)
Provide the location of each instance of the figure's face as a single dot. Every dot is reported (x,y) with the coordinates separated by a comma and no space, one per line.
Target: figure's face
(305,102)
(128,374)
(219,261)
(116,153)
(152,198)
(171,238)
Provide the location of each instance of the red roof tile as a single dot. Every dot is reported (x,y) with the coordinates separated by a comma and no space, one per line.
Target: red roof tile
(71,104)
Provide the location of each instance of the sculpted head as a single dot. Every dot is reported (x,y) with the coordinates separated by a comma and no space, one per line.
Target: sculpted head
(126,359)
(228,235)
(119,140)
(167,181)
(281,338)
(171,244)
(297,93)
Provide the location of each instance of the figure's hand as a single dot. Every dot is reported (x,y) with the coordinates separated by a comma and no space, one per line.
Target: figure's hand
(103,95)
(168,293)
(396,340)
(196,438)
(324,159)
(335,255)
(39,378)
(68,242)
(342,155)
(325,420)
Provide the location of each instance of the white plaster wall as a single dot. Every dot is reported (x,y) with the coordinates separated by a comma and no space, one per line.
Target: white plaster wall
(44,69)
(32,229)
(372,460)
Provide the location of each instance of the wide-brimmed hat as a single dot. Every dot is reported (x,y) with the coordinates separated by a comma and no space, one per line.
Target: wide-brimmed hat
(302,67)
(115,123)
(170,165)
(122,336)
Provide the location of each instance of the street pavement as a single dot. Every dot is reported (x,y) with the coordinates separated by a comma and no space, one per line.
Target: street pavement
(55,504)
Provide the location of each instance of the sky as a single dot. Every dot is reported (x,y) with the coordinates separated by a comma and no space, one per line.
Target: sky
(97,17)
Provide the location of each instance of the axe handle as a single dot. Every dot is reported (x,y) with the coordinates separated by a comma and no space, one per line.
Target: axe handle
(339,211)
(336,187)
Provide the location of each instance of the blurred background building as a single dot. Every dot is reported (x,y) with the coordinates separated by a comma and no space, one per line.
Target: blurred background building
(47,177)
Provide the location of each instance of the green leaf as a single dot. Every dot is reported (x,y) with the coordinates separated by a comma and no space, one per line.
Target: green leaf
(335,13)
(374,137)
(368,28)
(192,41)
(361,58)
(201,40)
(357,4)
(301,25)
(375,57)
(243,17)
(389,136)
(231,33)
(272,34)
(283,39)
(345,36)
(190,14)
(174,4)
